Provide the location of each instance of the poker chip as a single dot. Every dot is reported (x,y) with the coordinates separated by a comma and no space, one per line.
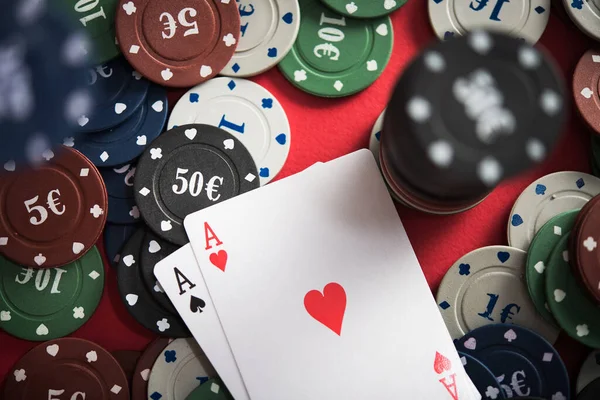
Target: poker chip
(74,365)
(525,19)
(51,214)
(179,369)
(45,304)
(483,379)
(586,15)
(572,309)
(115,236)
(375,137)
(269,29)
(538,256)
(438,138)
(465,294)
(121,91)
(97,19)
(364,8)
(186,169)
(545,198)
(127,141)
(514,353)
(136,296)
(591,391)
(119,186)
(587,265)
(194,44)
(127,359)
(213,389)
(154,249)
(586,80)
(589,372)
(38,50)
(334,56)
(247,111)
(141,374)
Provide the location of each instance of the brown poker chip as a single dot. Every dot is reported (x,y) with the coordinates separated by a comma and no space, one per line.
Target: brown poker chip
(178,43)
(586,88)
(574,237)
(139,383)
(587,265)
(67,368)
(51,214)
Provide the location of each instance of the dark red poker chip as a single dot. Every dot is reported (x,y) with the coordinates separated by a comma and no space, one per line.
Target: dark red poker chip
(139,384)
(586,87)
(127,359)
(587,265)
(63,367)
(51,214)
(178,43)
(574,237)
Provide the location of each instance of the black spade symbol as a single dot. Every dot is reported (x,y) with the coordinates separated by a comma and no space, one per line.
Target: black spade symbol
(196,304)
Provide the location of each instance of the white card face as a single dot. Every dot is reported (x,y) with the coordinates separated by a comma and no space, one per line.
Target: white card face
(181,280)
(320,293)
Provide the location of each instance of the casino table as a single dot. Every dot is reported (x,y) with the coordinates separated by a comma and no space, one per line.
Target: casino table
(324,129)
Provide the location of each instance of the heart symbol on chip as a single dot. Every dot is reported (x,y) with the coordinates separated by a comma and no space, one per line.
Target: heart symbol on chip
(141,140)
(120,107)
(205,71)
(351,8)
(516,220)
(158,106)
(219,259)
(39,259)
(165,226)
(191,133)
(78,247)
(228,144)
(153,246)
(503,256)
(587,92)
(382,30)
(52,349)
(131,299)
(128,260)
(83,121)
(145,374)
(166,74)
(41,330)
(470,344)
(539,267)
(9,166)
(5,316)
(559,295)
(441,363)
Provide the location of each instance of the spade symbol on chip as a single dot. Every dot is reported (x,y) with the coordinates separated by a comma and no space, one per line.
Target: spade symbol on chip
(196,304)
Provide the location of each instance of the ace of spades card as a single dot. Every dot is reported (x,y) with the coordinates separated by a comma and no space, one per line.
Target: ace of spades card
(318,293)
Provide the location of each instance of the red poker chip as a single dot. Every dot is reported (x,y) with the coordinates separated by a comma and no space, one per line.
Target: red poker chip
(178,43)
(586,88)
(587,265)
(62,368)
(52,214)
(139,384)
(574,237)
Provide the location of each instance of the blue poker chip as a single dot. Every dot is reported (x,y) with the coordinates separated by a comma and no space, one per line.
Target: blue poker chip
(483,379)
(523,362)
(121,91)
(115,237)
(121,202)
(127,141)
(43,67)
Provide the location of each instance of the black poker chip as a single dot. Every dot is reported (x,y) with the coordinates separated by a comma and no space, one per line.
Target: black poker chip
(136,297)
(154,249)
(186,169)
(472,111)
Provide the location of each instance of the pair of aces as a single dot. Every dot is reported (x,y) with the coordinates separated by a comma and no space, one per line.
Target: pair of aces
(308,288)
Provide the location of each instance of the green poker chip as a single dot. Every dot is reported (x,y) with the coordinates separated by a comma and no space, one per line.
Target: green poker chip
(49,303)
(538,256)
(212,389)
(364,8)
(572,308)
(335,56)
(97,19)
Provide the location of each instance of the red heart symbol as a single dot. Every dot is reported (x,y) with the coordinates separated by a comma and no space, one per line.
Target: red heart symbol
(219,259)
(327,308)
(441,363)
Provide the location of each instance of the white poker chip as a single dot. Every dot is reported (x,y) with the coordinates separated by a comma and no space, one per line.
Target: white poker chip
(589,372)
(487,286)
(586,15)
(525,19)
(545,198)
(269,29)
(375,139)
(246,110)
(179,369)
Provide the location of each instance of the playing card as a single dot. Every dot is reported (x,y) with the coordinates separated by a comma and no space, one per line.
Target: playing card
(319,291)
(181,280)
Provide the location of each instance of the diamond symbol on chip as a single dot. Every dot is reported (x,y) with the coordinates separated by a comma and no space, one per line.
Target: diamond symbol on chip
(590,244)
(134,49)
(3,241)
(104,156)
(338,85)
(116,389)
(94,275)
(250,177)
(595,58)
(144,191)
(84,172)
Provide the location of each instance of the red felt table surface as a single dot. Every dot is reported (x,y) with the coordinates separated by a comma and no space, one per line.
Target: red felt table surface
(324,129)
